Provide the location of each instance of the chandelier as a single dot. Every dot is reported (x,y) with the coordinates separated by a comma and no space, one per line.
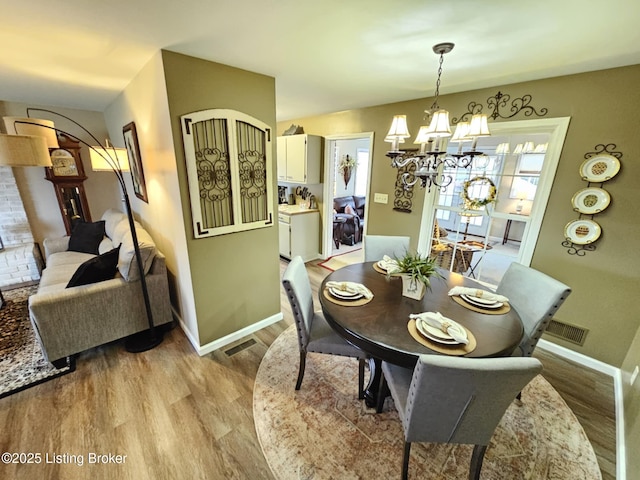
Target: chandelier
(432,156)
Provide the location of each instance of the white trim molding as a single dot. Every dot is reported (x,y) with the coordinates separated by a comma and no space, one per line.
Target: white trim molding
(237,335)
(616,374)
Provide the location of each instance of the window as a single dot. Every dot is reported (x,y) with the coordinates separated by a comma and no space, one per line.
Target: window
(229,168)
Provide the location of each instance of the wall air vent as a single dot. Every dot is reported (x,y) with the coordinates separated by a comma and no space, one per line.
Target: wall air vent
(565,331)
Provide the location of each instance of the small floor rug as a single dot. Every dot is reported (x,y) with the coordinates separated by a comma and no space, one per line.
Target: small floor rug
(22,363)
(343,259)
(323,431)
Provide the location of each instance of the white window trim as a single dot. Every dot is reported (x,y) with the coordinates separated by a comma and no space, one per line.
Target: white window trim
(557,129)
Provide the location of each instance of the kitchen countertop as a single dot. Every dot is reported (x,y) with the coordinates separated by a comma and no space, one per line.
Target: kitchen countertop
(295,209)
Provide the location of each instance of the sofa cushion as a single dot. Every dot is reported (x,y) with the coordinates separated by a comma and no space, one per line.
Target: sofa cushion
(339,203)
(112,218)
(360,202)
(55,279)
(105,245)
(127,263)
(86,237)
(97,269)
(67,258)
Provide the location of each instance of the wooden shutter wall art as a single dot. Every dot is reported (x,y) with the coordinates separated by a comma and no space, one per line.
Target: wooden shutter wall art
(229,169)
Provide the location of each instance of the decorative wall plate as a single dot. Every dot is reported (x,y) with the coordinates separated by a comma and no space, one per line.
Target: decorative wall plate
(582,232)
(599,168)
(591,200)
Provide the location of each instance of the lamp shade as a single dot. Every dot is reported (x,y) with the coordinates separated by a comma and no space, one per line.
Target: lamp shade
(439,126)
(423,135)
(109,159)
(541,148)
(502,148)
(398,128)
(24,151)
(479,126)
(460,133)
(32,126)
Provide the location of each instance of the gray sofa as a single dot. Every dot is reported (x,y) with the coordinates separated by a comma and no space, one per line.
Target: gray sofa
(68,321)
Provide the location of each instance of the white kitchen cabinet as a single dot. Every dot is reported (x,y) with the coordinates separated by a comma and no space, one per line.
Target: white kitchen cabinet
(299,234)
(299,158)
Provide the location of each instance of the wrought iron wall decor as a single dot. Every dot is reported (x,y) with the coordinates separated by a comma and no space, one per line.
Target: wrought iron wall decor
(403,200)
(500,101)
(598,166)
(228,157)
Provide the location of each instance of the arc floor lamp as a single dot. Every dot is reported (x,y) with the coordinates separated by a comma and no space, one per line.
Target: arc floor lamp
(27,143)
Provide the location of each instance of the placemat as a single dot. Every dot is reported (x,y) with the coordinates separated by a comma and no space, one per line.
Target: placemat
(439,347)
(489,311)
(345,303)
(377,268)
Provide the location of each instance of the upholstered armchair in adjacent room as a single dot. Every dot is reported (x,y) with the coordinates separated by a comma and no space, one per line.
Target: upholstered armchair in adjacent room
(351,208)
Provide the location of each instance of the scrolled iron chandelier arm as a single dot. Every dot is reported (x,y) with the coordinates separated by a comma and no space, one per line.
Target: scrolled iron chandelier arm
(433,139)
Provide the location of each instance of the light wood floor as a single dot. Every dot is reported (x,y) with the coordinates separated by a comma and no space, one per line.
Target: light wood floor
(176,415)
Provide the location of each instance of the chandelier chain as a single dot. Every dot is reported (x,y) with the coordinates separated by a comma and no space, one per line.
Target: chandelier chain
(435,105)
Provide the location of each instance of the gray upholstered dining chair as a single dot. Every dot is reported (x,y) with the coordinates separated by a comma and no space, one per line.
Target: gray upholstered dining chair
(314,333)
(455,399)
(536,297)
(377,246)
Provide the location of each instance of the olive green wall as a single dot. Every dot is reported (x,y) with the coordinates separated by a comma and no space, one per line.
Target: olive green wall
(236,277)
(603,107)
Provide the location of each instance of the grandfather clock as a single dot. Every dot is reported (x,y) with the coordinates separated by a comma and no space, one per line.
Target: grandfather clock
(67,176)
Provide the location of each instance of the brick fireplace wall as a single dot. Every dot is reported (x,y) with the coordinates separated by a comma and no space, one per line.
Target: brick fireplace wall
(19,260)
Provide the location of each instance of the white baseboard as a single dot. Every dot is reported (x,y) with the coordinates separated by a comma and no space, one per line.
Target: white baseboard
(226,340)
(237,335)
(616,374)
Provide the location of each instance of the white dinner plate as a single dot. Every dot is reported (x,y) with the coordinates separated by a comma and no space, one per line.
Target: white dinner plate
(599,168)
(345,295)
(436,334)
(482,303)
(481,300)
(381,265)
(582,232)
(591,200)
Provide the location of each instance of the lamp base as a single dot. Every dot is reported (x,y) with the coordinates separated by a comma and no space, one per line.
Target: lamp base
(143,341)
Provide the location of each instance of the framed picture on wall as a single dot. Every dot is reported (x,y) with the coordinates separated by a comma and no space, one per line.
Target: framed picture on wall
(135,161)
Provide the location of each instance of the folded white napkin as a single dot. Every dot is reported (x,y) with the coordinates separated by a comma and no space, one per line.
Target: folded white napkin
(389,264)
(351,287)
(478,293)
(439,321)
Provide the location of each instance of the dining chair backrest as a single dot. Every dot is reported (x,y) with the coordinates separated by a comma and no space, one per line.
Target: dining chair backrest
(536,297)
(462,400)
(377,246)
(298,289)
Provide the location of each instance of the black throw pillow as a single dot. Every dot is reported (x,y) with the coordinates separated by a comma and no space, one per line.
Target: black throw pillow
(86,237)
(96,269)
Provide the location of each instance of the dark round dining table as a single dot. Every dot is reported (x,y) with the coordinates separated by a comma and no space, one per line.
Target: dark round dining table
(380,326)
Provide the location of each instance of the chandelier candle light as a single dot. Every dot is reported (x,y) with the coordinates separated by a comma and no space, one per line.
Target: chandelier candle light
(432,155)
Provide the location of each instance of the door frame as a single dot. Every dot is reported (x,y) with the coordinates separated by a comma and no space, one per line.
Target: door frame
(557,130)
(329,176)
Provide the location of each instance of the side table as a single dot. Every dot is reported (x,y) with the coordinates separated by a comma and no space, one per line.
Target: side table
(338,229)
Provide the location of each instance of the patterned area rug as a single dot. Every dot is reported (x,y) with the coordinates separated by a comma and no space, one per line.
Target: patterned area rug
(22,364)
(323,431)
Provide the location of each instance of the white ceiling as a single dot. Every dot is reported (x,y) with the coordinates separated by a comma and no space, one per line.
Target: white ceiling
(326,56)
